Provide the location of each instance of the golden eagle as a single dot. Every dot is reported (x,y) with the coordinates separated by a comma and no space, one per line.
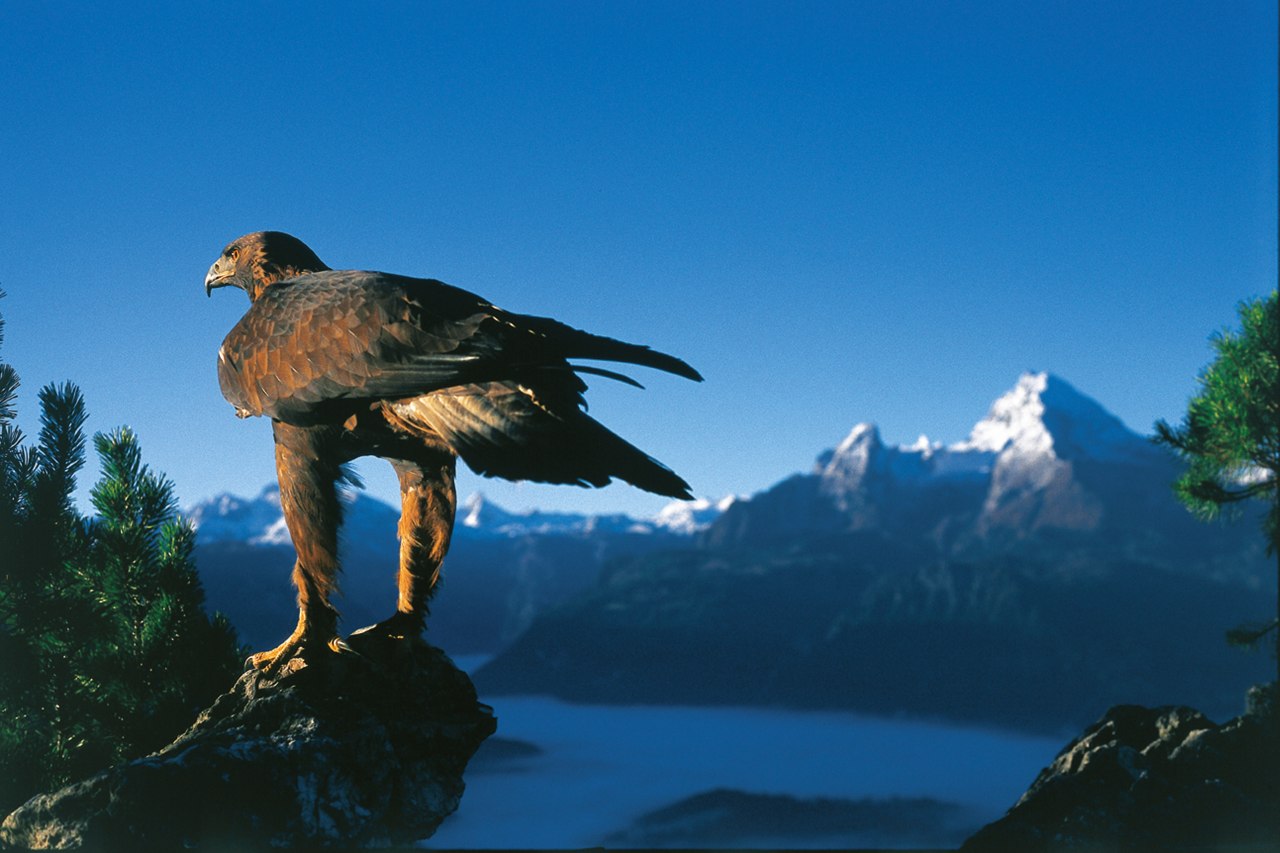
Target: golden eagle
(349,363)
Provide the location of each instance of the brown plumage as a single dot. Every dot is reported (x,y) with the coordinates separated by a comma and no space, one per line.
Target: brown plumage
(349,364)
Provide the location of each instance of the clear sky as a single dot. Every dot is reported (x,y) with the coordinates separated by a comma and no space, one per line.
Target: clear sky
(838,212)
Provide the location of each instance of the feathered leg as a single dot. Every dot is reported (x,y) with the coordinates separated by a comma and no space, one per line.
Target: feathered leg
(307,467)
(428,502)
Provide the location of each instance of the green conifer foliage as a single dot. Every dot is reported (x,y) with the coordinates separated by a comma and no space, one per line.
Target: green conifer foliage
(42,732)
(105,650)
(158,659)
(1231,433)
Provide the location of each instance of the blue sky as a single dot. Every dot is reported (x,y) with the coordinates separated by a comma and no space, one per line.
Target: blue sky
(838,212)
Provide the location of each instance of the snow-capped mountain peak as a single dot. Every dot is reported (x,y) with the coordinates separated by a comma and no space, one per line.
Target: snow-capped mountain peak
(226,517)
(1036,459)
(1043,415)
(1040,418)
(852,457)
(479,513)
(862,435)
(1015,419)
(260,520)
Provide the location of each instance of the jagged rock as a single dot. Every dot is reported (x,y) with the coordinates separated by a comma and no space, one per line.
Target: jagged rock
(364,749)
(1154,778)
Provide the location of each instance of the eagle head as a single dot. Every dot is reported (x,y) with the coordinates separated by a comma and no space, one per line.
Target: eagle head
(256,261)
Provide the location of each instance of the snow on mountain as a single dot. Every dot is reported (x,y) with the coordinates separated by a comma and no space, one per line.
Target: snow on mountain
(230,518)
(1042,419)
(477,513)
(1046,551)
(1027,442)
(1044,456)
(1044,415)
(479,516)
(260,521)
(1040,431)
(856,473)
(690,517)
(853,457)
(1016,419)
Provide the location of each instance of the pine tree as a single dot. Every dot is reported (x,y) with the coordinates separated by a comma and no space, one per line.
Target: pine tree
(41,621)
(159,659)
(105,650)
(1231,434)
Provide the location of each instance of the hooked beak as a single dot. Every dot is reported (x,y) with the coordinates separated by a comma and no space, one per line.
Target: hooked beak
(218,275)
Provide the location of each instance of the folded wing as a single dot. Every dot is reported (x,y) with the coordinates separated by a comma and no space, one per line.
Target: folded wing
(324,341)
(503,429)
(328,340)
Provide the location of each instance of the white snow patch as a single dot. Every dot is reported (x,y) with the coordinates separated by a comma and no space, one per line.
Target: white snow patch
(1015,419)
(276,534)
(690,517)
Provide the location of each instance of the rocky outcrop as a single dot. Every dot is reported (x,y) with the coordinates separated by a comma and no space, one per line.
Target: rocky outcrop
(1154,779)
(358,749)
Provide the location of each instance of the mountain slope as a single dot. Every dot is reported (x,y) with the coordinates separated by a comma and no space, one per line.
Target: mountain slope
(865,625)
(1029,576)
(1047,467)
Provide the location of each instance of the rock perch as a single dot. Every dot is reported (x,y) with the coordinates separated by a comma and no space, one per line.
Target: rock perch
(1154,779)
(367,749)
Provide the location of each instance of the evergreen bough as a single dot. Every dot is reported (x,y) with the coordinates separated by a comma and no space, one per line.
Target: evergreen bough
(1230,435)
(106,652)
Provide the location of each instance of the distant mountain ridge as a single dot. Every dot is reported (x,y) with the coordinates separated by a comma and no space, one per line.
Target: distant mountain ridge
(502,570)
(1047,462)
(1027,443)
(260,521)
(1029,576)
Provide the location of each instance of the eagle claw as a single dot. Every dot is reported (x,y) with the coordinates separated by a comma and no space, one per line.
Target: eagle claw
(306,645)
(401,626)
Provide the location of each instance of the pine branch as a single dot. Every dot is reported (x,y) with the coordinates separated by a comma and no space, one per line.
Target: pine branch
(60,447)
(9,385)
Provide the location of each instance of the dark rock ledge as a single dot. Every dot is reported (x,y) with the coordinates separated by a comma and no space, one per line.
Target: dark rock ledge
(1154,779)
(364,749)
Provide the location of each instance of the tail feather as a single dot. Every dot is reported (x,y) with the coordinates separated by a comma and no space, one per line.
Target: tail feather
(575,343)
